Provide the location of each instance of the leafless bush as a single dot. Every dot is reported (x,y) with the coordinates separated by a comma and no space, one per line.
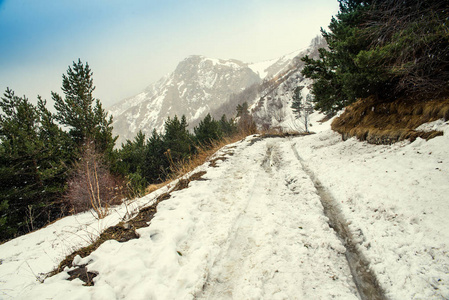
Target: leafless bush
(91,185)
(246,125)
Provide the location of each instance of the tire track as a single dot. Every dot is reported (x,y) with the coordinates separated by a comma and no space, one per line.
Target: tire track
(365,280)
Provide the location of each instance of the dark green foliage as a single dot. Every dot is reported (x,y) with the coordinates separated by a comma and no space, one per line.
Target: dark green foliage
(136,184)
(410,39)
(33,157)
(177,139)
(156,167)
(228,127)
(132,154)
(154,160)
(131,162)
(166,151)
(208,131)
(36,154)
(81,112)
(338,81)
(297,101)
(381,48)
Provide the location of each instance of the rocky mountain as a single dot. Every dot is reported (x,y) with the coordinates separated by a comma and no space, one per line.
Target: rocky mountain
(197,86)
(270,101)
(201,85)
(272,105)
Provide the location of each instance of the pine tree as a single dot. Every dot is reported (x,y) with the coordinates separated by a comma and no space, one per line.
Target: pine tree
(33,165)
(228,127)
(338,80)
(18,171)
(297,101)
(177,139)
(81,112)
(89,126)
(131,163)
(208,131)
(157,164)
(387,49)
(301,109)
(131,154)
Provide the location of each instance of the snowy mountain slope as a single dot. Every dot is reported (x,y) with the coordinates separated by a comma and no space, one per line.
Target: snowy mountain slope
(271,68)
(270,101)
(201,85)
(272,105)
(255,228)
(197,86)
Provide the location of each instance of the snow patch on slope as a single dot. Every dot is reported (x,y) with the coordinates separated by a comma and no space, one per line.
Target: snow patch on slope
(254,228)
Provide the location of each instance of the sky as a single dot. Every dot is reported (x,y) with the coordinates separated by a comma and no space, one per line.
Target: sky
(131,44)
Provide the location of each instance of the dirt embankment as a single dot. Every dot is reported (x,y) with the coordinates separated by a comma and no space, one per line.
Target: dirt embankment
(382,122)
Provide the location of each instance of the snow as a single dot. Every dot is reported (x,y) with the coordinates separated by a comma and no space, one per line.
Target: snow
(435,125)
(254,228)
(260,68)
(395,199)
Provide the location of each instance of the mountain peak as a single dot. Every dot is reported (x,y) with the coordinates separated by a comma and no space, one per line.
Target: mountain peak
(198,85)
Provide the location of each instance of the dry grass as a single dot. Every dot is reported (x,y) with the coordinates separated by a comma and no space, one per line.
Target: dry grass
(280,132)
(153,187)
(387,122)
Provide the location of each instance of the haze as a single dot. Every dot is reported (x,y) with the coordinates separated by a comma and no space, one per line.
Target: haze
(130,44)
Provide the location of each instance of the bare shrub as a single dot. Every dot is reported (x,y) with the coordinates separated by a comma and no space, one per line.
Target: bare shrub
(91,185)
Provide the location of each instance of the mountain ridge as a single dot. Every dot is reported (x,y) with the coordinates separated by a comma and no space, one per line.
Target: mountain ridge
(200,85)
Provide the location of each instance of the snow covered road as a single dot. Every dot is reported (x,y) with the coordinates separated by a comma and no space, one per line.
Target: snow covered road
(277,243)
(253,229)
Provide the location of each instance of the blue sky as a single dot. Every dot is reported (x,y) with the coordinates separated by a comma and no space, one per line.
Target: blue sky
(130,44)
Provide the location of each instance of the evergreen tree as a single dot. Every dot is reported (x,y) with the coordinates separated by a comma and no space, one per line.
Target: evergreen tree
(301,109)
(157,164)
(177,139)
(131,163)
(131,154)
(228,127)
(338,80)
(81,112)
(208,131)
(409,44)
(18,174)
(297,101)
(385,49)
(33,165)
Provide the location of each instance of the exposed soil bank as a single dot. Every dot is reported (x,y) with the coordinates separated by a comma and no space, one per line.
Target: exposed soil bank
(383,122)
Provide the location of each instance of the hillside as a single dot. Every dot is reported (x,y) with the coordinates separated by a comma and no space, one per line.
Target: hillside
(201,85)
(198,85)
(270,218)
